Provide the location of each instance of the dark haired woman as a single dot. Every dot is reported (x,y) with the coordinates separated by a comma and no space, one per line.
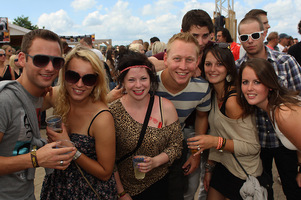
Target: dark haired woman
(230,131)
(259,86)
(162,142)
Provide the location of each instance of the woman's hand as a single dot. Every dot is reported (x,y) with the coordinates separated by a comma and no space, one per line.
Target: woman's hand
(202,142)
(207,180)
(54,136)
(115,94)
(147,165)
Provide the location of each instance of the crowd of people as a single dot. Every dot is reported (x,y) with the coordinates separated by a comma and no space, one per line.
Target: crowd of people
(201,113)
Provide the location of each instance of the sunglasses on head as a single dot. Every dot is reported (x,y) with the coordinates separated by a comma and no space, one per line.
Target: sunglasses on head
(73,77)
(2,54)
(41,60)
(254,36)
(222,45)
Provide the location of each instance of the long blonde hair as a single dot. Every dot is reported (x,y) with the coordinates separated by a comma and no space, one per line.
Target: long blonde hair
(100,90)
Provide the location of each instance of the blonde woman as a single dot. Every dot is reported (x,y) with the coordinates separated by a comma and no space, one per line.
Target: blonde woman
(15,66)
(6,73)
(8,53)
(80,99)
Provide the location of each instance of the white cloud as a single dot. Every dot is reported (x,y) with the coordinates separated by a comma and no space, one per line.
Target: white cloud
(147,9)
(116,23)
(281,18)
(58,22)
(124,22)
(83,4)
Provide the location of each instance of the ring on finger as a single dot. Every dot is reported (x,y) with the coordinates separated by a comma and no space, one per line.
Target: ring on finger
(61,162)
(199,147)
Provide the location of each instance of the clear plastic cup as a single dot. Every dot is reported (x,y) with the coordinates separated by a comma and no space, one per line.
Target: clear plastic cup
(136,160)
(54,122)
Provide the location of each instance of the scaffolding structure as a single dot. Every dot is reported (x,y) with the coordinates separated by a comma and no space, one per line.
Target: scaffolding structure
(227,10)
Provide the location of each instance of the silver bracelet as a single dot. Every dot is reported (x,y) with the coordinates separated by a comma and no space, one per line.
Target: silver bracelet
(209,167)
(77,155)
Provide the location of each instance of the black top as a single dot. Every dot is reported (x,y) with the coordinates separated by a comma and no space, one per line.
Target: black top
(295,51)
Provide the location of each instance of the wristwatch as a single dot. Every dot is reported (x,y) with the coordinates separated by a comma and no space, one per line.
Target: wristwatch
(77,155)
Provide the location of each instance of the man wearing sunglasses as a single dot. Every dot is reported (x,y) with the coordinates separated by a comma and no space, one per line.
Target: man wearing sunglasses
(251,35)
(21,146)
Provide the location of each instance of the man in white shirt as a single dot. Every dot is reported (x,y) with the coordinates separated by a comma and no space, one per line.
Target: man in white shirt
(284,40)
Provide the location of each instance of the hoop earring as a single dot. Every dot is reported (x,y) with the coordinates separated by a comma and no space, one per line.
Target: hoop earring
(228,78)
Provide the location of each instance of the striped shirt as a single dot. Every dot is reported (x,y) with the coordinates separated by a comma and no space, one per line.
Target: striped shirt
(196,95)
(289,74)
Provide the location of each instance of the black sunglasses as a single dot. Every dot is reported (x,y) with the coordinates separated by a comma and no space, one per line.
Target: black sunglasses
(254,36)
(2,54)
(73,77)
(41,60)
(222,45)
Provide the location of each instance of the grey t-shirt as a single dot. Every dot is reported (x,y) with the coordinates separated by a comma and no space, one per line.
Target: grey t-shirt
(16,141)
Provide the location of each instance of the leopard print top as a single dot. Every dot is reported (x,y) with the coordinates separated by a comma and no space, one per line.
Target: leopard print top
(167,139)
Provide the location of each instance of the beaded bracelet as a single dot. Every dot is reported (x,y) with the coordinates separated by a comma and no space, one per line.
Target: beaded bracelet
(209,167)
(220,143)
(33,155)
(223,145)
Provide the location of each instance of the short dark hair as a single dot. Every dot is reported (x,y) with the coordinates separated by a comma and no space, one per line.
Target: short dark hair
(256,13)
(154,39)
(39,33)
(88,41)
(134,58)
(226,34)
(197,17)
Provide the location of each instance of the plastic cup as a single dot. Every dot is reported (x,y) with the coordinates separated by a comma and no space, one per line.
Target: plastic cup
(136,160)
(54,122)
(63,144)
(190,135)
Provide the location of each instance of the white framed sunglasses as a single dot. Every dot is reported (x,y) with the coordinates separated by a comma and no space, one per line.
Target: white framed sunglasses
(254,36)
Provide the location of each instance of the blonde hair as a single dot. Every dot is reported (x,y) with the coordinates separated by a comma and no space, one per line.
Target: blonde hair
(100,89)
(135,47)
(158,47)
(12,62)
(185,37)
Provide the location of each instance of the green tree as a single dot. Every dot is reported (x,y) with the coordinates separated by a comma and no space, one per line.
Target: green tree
(25,23)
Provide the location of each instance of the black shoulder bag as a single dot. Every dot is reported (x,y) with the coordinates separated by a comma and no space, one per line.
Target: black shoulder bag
(146,119)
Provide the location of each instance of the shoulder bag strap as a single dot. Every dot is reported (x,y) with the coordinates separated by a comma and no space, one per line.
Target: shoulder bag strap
(146,119)
(240,165)
(161,110)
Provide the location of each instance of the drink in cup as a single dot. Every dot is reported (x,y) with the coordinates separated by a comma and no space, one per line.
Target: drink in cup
(190,135)
(55,123)
(136,161)
(64,143)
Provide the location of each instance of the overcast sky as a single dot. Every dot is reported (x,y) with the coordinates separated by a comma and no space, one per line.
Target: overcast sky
(126,20)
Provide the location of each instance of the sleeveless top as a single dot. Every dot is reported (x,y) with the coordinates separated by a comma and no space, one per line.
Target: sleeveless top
(6,74)
(282,138)
(70,184)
